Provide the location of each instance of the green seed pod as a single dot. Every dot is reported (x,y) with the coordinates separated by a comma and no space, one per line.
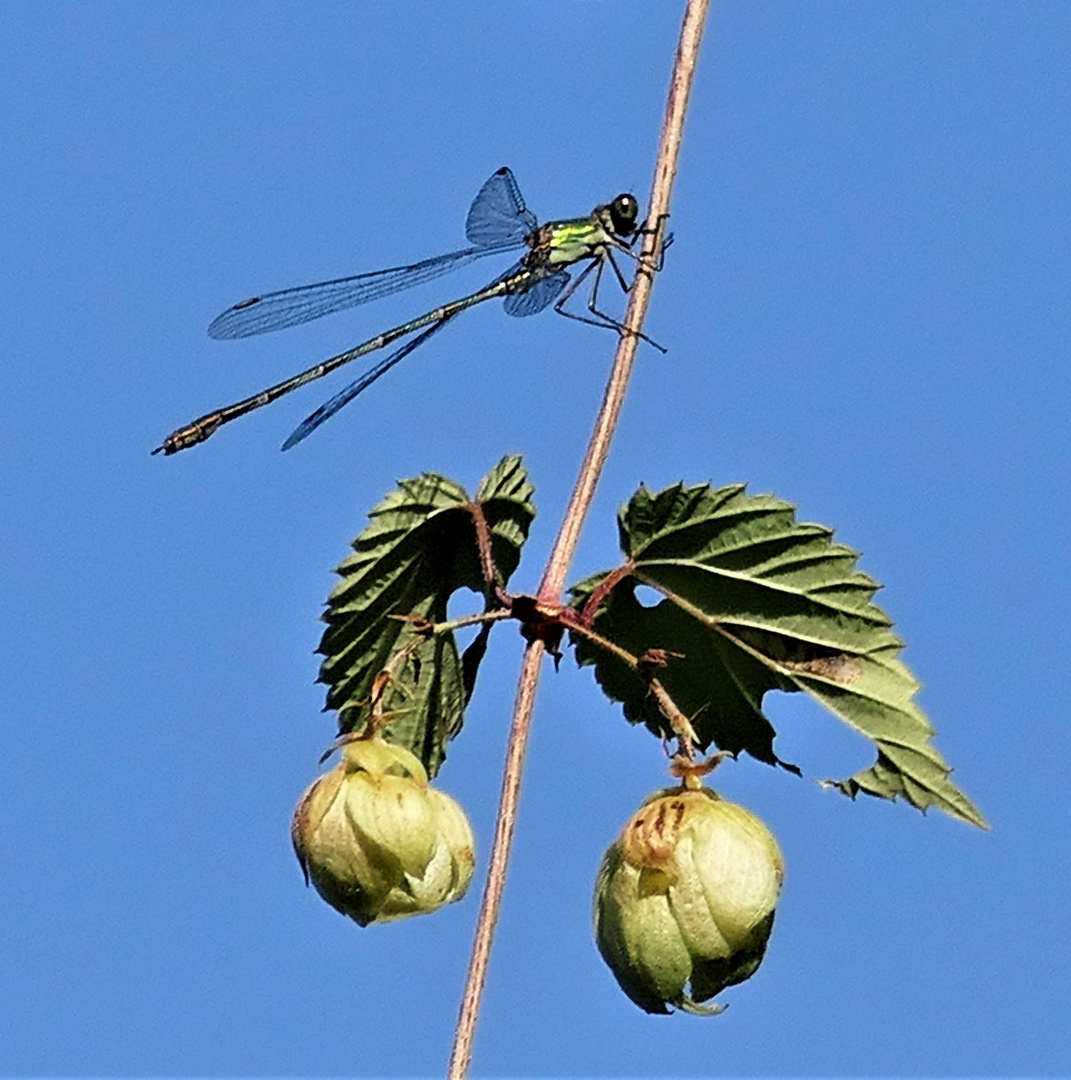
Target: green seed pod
(377,841)
(685,899)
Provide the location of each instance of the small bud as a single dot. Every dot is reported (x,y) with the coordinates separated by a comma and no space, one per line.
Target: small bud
(377,841)
(685,899)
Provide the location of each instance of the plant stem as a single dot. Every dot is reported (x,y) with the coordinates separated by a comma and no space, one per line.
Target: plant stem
(471,620)
(565,545)
(639,298)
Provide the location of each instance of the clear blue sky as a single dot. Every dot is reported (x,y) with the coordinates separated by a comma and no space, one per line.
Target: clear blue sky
(867,313)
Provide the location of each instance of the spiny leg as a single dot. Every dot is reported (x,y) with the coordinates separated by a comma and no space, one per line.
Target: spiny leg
(657,259)
(602,319)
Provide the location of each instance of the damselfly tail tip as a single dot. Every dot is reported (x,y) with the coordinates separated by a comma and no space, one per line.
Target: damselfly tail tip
(169,446)
(190,435)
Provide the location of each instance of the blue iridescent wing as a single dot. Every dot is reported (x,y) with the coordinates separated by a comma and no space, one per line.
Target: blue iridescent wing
(498,215)
(497,221)
(541,295)
(289,307)
(346,395)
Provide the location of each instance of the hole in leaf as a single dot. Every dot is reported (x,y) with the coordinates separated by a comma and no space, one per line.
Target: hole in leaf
(647,597)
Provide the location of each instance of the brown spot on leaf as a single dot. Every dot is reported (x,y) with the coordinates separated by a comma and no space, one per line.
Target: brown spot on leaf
(839,668)
(795,654)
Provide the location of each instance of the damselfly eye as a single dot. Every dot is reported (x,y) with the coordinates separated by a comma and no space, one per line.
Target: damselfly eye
(624,210)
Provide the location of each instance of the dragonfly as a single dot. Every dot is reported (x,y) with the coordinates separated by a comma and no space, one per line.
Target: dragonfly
(498,221)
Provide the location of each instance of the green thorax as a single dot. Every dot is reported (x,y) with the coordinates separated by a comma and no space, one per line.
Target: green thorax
(559,243)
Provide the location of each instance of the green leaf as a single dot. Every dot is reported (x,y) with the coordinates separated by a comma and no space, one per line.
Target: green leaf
(755,601)
(419,548)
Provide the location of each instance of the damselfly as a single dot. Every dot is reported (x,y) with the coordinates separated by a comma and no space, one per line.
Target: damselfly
(498,221)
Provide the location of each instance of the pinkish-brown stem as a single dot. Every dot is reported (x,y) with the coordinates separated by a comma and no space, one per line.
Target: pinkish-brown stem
(550,590)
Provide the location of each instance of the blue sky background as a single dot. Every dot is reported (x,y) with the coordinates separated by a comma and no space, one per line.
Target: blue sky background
(867,313)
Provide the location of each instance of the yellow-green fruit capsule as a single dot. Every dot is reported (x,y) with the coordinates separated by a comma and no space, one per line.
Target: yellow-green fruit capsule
(685,899)
(377,841)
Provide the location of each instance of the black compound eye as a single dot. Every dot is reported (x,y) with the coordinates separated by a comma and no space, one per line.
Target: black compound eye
(624,210)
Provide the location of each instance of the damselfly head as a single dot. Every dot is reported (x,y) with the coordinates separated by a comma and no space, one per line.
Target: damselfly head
(623,213)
